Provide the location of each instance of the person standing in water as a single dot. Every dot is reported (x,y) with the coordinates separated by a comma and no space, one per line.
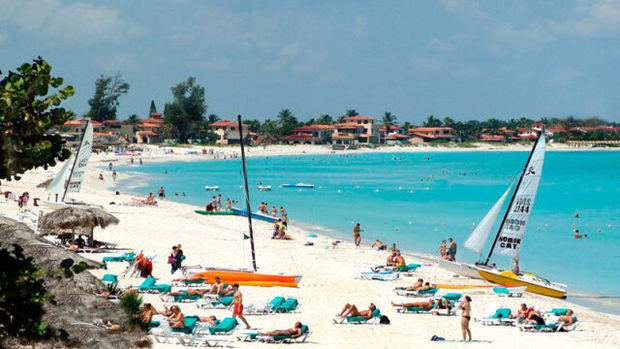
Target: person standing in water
(357,237)
(452,250)
(465,318)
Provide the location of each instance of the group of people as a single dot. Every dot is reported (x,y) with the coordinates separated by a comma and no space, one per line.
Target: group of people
(448,253)
(23,199)
(279,229)
(419,285)
(263,208)
(176,258)
(395,259)
(216,204)
(532,315)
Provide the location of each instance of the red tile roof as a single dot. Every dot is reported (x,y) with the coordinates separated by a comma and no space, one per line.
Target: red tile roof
(395,136)
(528,137)
(312,128)
(429,129)
(302,137)
(556,130)
(226,123)
(148,133)
(147,124)
(81,122)
(103,134)
(342,137)
(348,125)
(392,127)
(492,138)
(359,117)
(538,124)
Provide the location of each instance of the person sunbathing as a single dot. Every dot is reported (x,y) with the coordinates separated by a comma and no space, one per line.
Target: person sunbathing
(351,310)
(422,305)
(208,319)
(219,289)
(176,320)
(444,304)
(282,234)
(390,260)
(399,260)
(427,286)
(189,292)
(522,313)
(534,317)
(148,310)
(191,278)
(293,332)
(568,318)
(415,287)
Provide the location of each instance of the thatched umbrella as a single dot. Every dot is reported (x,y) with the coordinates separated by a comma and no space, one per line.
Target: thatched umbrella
(72,218)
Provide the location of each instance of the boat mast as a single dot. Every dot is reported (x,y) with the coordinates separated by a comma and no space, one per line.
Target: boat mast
(66,185)
(514,194)
(247,193)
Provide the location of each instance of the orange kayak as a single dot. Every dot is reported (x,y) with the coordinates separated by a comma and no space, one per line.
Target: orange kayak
(249,278)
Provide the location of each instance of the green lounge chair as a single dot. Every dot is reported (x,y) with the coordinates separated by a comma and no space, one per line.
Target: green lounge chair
(408,268)
(509,292)
(110,280)
(190,324)
(226,326)
(558,311)
(287,306)
(374,318)
(263,307)
(452,296)
(149,286)
(125,257)
(501,317)
(220,303)
(288,338)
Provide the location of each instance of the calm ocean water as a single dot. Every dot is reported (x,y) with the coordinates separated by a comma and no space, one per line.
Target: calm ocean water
(423,198)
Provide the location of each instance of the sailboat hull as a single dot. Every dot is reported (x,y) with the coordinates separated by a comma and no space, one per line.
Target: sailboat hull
(533,286)
(459,268)
(248,278)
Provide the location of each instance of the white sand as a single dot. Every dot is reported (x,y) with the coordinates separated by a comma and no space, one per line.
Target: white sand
(328,274)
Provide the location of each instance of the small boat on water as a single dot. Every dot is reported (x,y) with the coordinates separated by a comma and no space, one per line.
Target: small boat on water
(510,234)
(255,215)
(298,185)
(215,213)
(212,187)
(249,278)
(264,187)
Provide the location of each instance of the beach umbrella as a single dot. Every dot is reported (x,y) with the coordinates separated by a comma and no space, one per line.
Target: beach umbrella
(73,218)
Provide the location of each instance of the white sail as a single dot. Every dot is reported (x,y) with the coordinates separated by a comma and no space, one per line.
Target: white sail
(57,186)
(79,169)
(511,236)
(479,236)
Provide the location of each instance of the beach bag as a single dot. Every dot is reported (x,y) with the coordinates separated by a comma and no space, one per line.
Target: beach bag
(170,259)
(384,320)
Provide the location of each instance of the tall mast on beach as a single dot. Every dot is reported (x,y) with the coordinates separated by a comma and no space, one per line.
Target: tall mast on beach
(247,192)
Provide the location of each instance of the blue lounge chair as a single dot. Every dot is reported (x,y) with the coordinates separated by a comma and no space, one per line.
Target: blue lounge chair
(110,280)
(226,326)
(509,292)
(287,306)
(501,317)
(452,296)
(125,257)
(149,286)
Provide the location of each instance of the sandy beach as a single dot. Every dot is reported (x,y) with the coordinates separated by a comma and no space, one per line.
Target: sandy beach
(328,273)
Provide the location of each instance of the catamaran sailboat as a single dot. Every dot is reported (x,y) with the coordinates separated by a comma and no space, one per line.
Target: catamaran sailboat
(509,237)
(69,179)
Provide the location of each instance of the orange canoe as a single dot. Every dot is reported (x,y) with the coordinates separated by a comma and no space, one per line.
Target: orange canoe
(249,278)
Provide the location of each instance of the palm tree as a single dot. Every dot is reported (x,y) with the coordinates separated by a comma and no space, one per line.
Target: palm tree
(212,118)
(388,120)
(324,120)
(432,121)
(286,122)
(133,118)
(351,112)
(448,121)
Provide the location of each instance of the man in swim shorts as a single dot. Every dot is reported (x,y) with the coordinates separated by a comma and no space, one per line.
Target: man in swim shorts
(399,260)
(428,305)
(357,238)
(293,332)
(237,305)
(452,250)
(351,310)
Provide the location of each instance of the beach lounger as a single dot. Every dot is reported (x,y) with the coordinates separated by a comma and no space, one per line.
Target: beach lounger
(556,312)
(455,297)
(411,267)
(262,307)
(255,337)
(380,275)
(500,318)
(149,286)
(208,335)
(220,303)
(509,292)
(125,257)
(189,283)
(433,310)
(288,306)
(550,326)
(110,280)
(424,293)
(185,298)
(358,320)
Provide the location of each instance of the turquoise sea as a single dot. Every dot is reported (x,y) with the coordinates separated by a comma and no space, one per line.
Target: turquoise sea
(418,199)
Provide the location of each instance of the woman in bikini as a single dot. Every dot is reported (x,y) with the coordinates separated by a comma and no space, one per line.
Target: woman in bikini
(466,317)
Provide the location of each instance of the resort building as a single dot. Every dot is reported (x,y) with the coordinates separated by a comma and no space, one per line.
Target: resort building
(150,130)
(394,129)
(396,139)
(370,135)
(313,134)
(348,133)
(228,132)
(125,130)
(527,133)
(429,134)
(486,137)
(76,126)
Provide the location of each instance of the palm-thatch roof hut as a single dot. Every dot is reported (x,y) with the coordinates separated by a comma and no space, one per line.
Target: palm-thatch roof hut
(73,218)
(77,300)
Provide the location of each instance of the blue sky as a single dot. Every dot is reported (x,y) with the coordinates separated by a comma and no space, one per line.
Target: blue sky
(463,59)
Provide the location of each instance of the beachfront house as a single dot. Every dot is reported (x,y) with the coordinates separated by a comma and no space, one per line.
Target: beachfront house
(347,133)
(370,135)
(150,130)
(312,134)
(76,126)
(394,129)
(122,129)
(396,139)
(429,134)
(527,133)
(228,132)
